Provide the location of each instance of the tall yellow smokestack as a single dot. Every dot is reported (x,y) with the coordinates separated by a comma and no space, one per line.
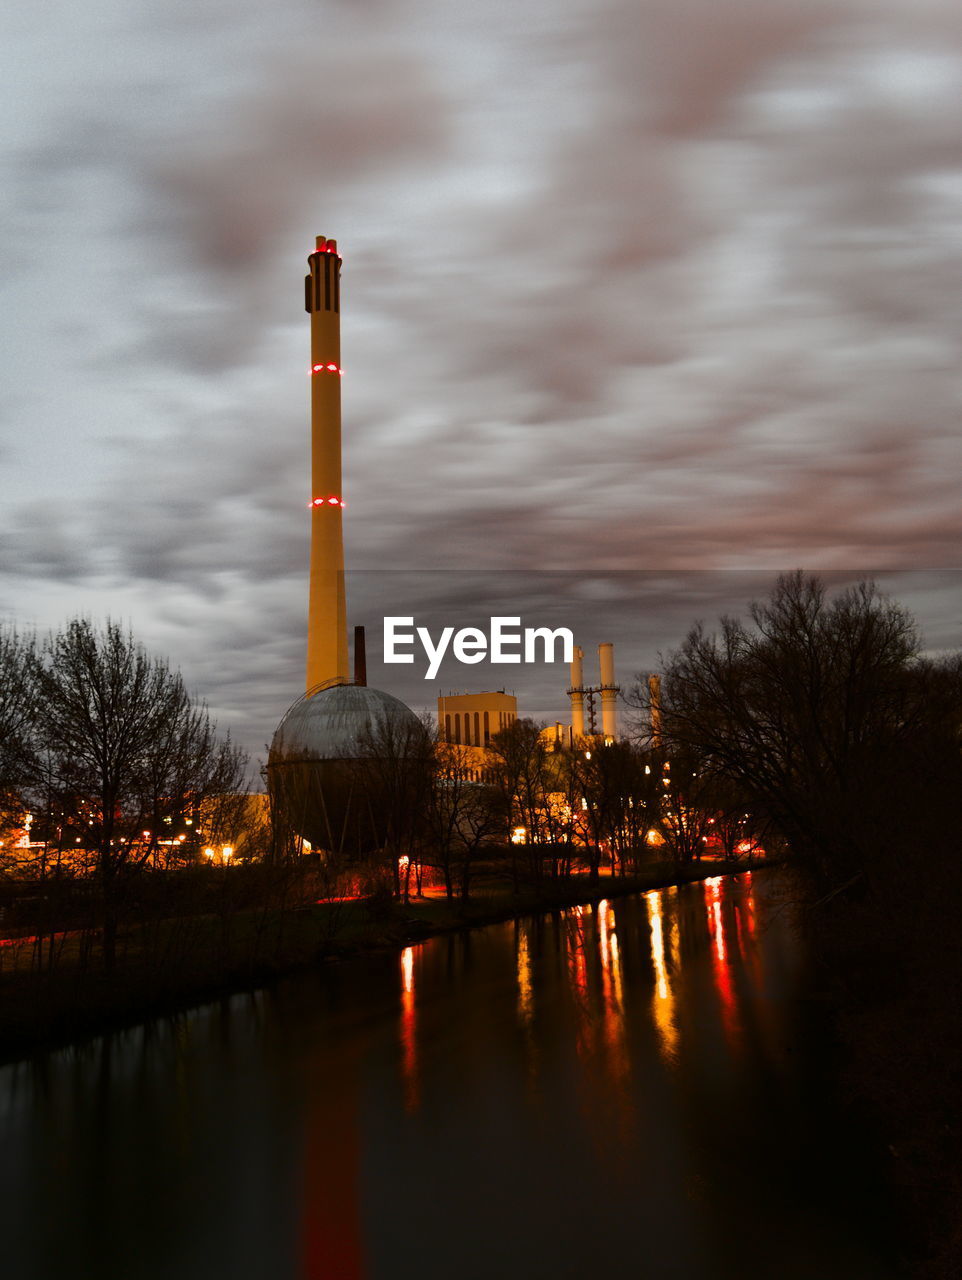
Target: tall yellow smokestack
(327,613)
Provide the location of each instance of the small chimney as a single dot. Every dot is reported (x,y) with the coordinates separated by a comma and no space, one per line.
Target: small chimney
(360,656)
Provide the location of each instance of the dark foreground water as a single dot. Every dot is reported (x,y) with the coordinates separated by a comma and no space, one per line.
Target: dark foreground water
(629,1090)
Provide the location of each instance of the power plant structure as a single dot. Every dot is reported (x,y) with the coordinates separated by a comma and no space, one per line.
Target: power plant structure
(472,719)
(312,763)
(339,722)
(607,692)
(327,609)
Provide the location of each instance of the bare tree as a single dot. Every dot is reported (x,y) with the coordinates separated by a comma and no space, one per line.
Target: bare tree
(804,710)
(618,799)
(395,778)
(129,747)
(465,813)
(519,765)
(19,692)
(685,813)
(526,778)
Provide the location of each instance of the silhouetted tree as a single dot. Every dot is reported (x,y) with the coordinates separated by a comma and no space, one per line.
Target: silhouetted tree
(127,747)
(805,710)
(465,813)
(395,777)
(19,692)
(526,777)
(618,799)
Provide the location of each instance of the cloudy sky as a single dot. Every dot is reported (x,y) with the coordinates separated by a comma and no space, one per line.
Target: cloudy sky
(672,287)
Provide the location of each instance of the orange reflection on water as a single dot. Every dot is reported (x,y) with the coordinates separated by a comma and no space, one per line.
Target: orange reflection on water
(663,1000)
(611,958)
(408,1031)
(525,993)
(604,940)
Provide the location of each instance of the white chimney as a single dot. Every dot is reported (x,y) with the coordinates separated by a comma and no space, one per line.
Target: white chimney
(576,693)
(609,693)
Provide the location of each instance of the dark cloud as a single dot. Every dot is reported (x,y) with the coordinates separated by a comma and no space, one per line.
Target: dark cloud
(667,287)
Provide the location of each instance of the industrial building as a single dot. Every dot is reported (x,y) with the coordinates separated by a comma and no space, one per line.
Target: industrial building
(319,741)
(472,719)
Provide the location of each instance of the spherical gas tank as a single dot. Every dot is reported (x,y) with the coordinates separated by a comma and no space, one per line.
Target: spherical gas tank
(319,768)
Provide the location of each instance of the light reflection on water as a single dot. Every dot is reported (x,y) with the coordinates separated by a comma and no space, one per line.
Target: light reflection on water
(409,1029)
(662,1000)
(632,1086)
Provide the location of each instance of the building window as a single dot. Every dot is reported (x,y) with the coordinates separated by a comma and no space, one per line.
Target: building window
(447,728)
(477,729)
(487,730)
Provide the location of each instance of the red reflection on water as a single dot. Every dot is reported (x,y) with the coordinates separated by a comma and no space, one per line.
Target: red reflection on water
(578,973)
(720,964)
(408,1031)
(331,1220)
(577,965)
(748,906)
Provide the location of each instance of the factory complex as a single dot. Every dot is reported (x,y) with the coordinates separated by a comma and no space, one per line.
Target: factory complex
(333,724)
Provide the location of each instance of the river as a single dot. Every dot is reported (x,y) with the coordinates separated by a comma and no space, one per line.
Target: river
(640,1088)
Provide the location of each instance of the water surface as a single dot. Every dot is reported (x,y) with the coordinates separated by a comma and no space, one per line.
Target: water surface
(632,1089)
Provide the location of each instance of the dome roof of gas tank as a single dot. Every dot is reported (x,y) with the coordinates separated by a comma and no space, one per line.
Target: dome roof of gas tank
(337,723)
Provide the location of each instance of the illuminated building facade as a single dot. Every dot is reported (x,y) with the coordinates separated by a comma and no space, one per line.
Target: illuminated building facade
(472,719)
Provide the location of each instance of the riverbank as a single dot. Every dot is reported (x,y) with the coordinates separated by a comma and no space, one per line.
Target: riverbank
(893,985)
(194,960)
